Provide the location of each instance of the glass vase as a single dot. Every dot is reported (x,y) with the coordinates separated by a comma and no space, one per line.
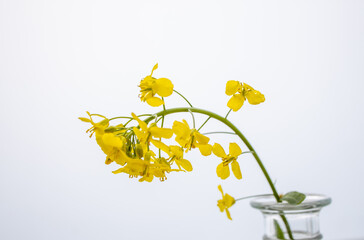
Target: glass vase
(302,219)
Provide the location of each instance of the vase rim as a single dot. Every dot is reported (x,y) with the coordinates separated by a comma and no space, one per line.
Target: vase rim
(313,202)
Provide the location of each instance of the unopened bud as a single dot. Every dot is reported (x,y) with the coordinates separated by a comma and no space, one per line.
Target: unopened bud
(139,150)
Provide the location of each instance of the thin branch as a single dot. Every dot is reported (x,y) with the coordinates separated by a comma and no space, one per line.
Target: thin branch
(183,98)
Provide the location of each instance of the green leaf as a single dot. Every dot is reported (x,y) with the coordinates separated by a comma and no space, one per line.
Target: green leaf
(279,232)
(294,198)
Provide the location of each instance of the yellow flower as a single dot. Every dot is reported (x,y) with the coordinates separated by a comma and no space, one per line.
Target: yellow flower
(222,169)
(225,203)
(145,133)
(175,155)
(151,86)
(191,138)
(240,92)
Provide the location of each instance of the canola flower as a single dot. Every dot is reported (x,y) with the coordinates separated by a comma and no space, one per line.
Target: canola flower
(222,169)
(225,203)
(240,92)
(134,148)
(150,87)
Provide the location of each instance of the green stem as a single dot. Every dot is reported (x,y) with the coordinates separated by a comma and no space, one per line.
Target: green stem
(204,123)
(193,119)
(219,132)
(228,113)
(241,136)
(183,98)
(164,108)
(253,196)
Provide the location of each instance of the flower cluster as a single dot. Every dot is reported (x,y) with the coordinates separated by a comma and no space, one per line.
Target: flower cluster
(143,150)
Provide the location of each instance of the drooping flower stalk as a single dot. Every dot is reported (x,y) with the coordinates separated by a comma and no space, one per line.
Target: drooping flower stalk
(130,146)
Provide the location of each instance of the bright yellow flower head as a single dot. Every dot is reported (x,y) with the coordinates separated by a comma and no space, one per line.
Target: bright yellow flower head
(225,203)
(191,138)
(151,86)
(222,169)
(240,92)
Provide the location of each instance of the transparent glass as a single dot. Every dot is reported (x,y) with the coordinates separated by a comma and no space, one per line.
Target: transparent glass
(303,219)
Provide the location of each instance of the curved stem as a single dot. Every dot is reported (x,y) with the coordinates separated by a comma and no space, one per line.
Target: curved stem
(219,132)
(241,136)
(232,127)
(253,196)
(228,113)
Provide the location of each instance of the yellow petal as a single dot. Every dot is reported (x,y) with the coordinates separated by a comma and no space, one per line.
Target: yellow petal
(154,101)
(163,87)
(232,87)
(254,97)
(220,189)
(218,150)
(108,161)
(201,139)
(160,145)
(228,214)
(181,129)
(141,123)
(120,170)
(186,164)
(138,133)
(234,150)
(236,102)
(112,140)
(205,149)
(161,132)
(223,171)
(176,151)
(228,200)
(154,68)
(236,169)
(84,119)
(221,205)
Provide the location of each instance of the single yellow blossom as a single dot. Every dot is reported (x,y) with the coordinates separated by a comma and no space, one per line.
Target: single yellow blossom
(222,169)
(151,86)
(225,203)
(240,92)
(191,138)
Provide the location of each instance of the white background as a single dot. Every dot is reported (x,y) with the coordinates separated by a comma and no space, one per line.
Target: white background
(59,59)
